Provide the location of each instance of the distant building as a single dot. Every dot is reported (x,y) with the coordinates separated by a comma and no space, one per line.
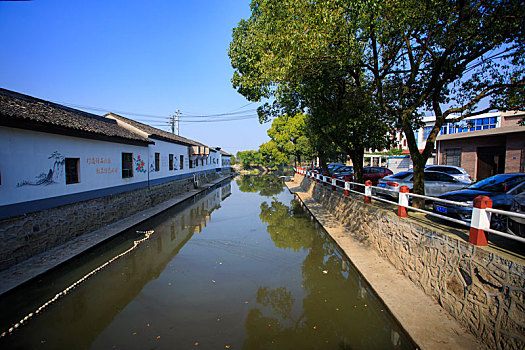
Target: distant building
(494,148)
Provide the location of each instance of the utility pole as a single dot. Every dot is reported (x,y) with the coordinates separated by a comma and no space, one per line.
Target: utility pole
(175,122)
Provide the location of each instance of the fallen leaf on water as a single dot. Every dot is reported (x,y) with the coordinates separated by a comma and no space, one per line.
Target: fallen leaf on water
(325,271)
(196,343)
(169,284)
(337,309)
(314,327)
(43,341)
(246,302)
(147,324)
(227,346)
(269,325)
(158,336)
(212,281)
(134,333)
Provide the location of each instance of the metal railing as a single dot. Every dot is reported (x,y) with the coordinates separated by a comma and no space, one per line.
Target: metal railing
(480,215)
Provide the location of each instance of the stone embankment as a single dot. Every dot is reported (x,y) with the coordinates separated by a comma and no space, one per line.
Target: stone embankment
(25,236)
(483,290)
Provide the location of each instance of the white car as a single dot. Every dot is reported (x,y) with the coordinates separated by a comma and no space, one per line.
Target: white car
(455,171)
(436,183)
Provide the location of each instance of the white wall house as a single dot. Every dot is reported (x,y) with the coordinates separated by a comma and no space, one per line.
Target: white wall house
(37,165)
(52,155)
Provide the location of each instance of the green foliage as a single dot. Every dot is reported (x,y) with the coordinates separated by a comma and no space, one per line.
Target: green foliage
(305,55)
(266,185)
(288,137)
(362,67)
(249,158)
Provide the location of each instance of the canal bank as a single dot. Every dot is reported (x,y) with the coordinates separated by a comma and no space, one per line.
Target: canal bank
(428,324)
(31,268)
(240,266)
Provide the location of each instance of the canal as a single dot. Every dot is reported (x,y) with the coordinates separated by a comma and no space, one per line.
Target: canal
(241,266)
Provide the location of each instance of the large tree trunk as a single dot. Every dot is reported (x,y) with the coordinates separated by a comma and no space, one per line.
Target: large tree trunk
(419,181)
(322,163)
(357,156)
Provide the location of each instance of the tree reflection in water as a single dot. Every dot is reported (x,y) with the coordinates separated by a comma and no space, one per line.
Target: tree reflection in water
(266,185)
(338,310)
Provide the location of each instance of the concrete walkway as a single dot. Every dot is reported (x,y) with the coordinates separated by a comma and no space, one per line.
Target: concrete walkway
(423,319)
(44,262)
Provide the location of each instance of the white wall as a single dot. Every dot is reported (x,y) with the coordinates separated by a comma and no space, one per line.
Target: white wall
(226,161)
(32,165)
(166,148)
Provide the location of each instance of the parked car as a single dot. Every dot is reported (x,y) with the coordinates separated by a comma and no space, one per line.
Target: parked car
(333,166)
(372,173)
(501,188)
(457,172)
(516,226)
(436,183)
(342,171)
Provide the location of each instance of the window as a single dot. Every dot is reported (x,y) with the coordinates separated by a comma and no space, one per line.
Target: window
(72,170)
(157,161)
(181,162)
(127,165)
(171,162)
(453,156)
(426,132)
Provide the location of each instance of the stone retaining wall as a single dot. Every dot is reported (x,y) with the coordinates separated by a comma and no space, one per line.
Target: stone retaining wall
(484,291)
(25,236)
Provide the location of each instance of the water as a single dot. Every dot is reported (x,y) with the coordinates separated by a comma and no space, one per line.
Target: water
(241,267)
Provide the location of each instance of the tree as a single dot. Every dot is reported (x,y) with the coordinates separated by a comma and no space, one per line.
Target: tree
(249,158)
(271,155)
(447,57)
(303,55)
(288,134)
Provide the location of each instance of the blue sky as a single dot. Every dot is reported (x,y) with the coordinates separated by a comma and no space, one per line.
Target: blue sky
(143,57)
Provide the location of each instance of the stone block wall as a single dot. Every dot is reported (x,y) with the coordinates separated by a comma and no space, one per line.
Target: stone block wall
(483,290)
(25,236)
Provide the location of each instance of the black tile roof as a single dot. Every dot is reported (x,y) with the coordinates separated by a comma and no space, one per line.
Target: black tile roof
(26,112)
(157,133)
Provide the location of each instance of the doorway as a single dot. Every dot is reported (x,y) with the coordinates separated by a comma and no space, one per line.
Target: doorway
(491,161)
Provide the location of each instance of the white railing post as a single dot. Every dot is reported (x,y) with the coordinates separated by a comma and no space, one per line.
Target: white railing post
(347,187)
(368,192)
(480,220)
(403,201)
(333,182)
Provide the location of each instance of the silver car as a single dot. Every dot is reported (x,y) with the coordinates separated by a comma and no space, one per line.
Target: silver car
(436,183)
(457,172)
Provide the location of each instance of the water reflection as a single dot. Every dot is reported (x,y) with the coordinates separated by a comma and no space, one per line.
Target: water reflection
(232,268)
(339,311)
(288,226)
(265,185)
(76,320)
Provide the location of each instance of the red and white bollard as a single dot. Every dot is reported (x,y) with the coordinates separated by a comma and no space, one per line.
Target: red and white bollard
(368,192)
(318,176)
(347,185)
(403,202)
(480,220)
(324,179)
(333,182)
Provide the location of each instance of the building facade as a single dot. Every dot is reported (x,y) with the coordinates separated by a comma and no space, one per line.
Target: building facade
(52,155)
